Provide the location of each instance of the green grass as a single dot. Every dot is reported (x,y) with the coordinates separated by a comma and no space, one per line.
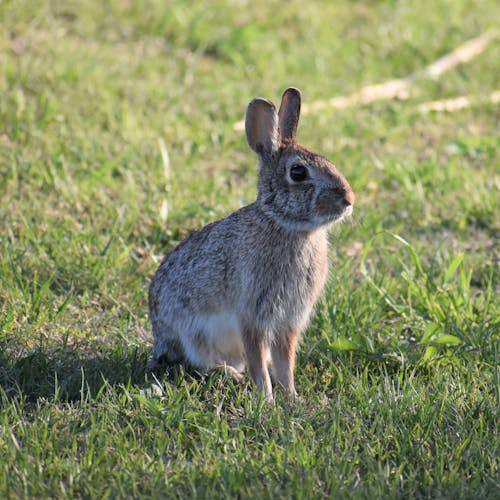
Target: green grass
(398,373)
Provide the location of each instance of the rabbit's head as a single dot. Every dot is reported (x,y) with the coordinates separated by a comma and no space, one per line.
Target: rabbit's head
(299,189)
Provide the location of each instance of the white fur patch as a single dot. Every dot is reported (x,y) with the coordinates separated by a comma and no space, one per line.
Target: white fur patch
(216,340)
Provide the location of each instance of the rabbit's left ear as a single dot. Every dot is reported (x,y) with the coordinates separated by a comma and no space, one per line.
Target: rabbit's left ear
(261,124)
(289,114)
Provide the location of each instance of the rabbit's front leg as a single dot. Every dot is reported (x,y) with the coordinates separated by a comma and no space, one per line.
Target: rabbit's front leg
(283,361)
(257,354)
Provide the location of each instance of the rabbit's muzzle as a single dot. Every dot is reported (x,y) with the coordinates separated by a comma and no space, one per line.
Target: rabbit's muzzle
(335,202)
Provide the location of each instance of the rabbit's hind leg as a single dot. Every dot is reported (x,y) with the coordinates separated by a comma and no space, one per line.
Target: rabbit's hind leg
(167,349)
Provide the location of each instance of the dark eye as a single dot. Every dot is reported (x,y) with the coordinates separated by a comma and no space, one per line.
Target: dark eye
(298,173)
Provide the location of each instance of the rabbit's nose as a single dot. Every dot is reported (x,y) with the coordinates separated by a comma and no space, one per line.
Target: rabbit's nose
(349,198)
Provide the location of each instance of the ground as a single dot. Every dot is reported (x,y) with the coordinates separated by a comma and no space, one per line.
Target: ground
(120,133)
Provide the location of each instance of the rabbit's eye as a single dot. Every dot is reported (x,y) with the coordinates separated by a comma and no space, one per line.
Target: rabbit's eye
(298,173)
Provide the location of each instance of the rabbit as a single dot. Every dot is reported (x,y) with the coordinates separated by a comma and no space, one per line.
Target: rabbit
(240,290)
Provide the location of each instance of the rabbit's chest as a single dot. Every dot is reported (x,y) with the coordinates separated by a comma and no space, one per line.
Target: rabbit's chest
(284,292)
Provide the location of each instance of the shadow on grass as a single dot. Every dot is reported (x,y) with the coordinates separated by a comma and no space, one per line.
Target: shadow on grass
(70,374)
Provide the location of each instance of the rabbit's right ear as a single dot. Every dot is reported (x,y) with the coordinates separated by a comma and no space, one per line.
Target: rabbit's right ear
(289,114)
(261,125)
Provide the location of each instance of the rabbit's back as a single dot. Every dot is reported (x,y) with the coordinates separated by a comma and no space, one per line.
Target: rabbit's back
(198,275)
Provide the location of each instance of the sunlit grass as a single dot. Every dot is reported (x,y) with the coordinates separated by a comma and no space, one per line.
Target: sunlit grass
(398,372)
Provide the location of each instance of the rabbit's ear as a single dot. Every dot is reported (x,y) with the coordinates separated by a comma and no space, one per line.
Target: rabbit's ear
(289,114)
(261,125)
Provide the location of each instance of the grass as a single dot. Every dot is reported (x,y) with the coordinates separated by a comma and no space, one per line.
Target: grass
(399,370)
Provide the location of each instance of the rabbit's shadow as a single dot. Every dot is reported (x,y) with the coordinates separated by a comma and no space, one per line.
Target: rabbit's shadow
(70,375)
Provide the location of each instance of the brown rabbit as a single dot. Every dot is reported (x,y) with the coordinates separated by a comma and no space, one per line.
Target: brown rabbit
(241,290)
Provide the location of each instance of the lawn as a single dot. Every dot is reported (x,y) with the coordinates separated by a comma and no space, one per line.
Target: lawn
(119,135)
